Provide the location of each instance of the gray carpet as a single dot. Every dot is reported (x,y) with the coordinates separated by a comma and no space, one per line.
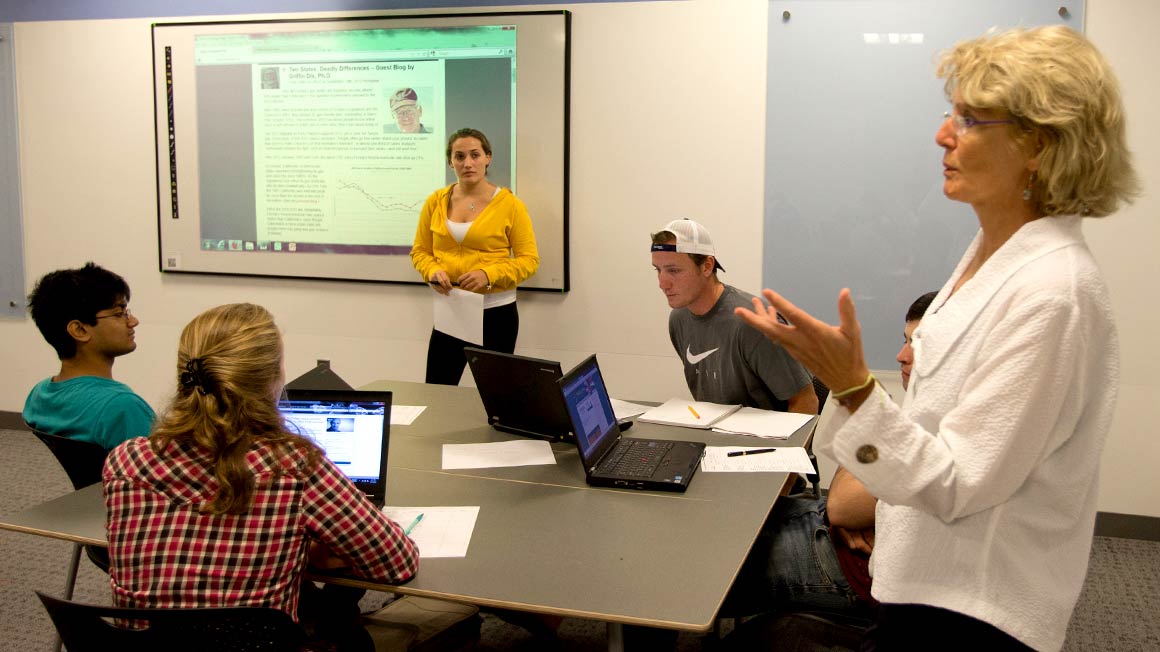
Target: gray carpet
(1119,609)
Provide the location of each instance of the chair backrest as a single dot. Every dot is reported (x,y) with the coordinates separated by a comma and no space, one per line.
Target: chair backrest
(823,393)
(81,460)
(86,628)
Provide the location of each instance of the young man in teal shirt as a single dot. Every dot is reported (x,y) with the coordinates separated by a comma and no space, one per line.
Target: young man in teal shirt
(84,314)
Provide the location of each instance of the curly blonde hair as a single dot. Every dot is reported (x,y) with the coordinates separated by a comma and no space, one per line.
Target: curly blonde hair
(229,366)
(1055,84)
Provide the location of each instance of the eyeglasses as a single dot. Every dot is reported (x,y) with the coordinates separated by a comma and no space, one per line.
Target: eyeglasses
(964,123)
(125,314)
(406,113)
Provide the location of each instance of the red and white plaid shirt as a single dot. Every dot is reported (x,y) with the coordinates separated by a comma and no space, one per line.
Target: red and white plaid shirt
(165,553)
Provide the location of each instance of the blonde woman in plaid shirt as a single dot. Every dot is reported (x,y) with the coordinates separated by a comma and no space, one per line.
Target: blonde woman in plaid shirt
(222,505)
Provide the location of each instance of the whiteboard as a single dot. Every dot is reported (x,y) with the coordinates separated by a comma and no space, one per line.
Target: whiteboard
(853,177)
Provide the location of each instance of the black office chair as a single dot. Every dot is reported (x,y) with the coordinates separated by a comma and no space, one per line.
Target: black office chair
(82,461)
(90,628)
(823,393)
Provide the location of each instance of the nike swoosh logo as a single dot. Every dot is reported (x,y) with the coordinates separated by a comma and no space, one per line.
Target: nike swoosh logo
(694,359)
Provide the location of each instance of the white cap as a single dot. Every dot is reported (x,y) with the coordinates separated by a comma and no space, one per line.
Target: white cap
(692,238)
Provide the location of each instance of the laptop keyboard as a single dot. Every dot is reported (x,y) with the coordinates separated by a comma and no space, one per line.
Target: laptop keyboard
(635,459)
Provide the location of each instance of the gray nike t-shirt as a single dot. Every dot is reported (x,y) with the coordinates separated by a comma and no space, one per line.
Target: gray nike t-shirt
(726,361)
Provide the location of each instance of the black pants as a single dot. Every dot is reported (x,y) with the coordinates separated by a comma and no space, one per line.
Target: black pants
(919,627)
(330,617)
(445,359)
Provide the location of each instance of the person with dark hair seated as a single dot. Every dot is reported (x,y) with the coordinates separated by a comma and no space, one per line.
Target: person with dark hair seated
(222,505)
(84,314)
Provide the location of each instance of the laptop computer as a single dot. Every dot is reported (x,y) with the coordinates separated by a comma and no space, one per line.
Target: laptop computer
(520,394)
(351,427)
(612,461)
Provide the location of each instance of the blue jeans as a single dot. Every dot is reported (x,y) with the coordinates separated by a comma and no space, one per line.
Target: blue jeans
(793,567)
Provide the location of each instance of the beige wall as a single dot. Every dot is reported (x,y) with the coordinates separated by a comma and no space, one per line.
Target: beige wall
(640,77)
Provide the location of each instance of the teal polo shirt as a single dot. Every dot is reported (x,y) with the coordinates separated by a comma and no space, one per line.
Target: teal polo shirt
(89,408)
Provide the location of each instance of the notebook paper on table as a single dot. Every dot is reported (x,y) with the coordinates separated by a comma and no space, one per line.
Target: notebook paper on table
(689,414)
(626,410)
(788,459)
(440,531)
(762,423)
(497,454)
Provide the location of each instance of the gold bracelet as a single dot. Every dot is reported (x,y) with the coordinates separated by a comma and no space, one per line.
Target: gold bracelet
(853,390)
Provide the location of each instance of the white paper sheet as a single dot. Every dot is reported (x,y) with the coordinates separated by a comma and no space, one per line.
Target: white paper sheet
(689,414)
(786,459)
(625,410)
(405,415)
(460,314)
(443,531)
(520,452)
(761,423)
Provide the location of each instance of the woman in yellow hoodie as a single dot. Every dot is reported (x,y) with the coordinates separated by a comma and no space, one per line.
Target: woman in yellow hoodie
(478,236)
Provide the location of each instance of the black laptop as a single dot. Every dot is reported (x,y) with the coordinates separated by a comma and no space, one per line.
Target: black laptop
(612,461)
(520,394)
(352,428)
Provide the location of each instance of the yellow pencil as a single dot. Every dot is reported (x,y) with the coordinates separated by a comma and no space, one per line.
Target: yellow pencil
(694,412)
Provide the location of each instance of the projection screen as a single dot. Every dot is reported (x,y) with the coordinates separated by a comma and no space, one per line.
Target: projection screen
(306,148)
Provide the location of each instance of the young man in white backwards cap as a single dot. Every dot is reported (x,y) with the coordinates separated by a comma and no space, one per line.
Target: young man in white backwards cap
(724,362)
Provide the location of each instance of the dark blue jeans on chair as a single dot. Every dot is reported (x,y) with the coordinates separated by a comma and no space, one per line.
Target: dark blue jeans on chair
(793,567)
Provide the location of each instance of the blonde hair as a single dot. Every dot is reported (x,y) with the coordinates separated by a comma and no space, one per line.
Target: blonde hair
(1054,83)
(229,363)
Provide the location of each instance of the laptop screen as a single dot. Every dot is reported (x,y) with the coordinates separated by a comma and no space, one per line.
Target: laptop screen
(593,421)
(350,427)
(519,393)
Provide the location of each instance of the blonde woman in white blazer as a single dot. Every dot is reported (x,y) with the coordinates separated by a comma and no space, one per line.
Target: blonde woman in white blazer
(987,474)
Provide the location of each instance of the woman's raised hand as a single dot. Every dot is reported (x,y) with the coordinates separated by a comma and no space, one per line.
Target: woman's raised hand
(832,353)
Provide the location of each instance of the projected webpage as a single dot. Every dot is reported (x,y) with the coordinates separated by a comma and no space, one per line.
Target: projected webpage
(343,133)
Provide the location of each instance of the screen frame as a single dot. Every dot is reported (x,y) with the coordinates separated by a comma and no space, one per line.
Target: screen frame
(376,489)
(542,161)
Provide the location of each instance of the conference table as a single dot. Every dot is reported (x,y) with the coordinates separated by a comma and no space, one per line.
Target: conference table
(544,541)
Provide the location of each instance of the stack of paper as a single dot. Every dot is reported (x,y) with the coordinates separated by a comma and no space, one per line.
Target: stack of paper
(689,414)
(625,410)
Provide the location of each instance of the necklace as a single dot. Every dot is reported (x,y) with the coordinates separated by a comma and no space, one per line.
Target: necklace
(470,201)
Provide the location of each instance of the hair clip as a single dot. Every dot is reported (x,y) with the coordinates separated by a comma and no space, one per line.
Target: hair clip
(195,376)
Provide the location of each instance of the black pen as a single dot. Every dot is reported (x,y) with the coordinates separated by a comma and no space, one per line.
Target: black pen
(755,451)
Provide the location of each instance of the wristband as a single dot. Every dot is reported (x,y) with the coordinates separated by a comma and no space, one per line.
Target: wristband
(870,379)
